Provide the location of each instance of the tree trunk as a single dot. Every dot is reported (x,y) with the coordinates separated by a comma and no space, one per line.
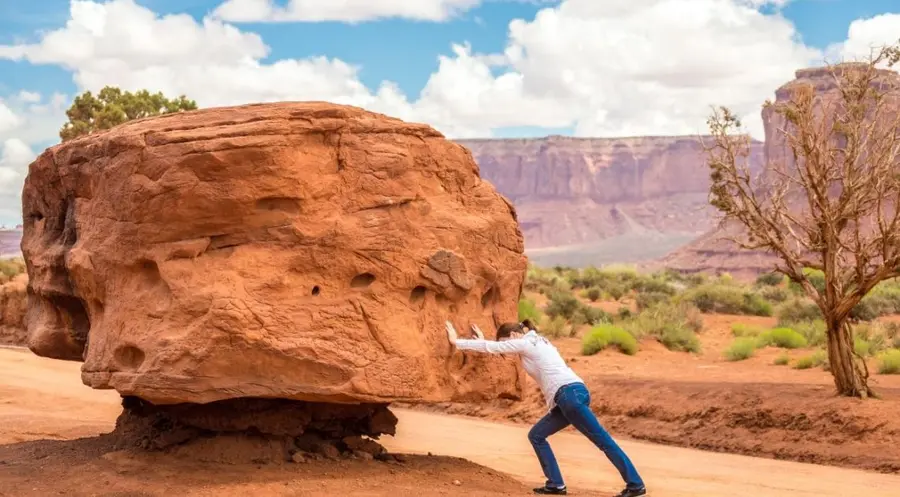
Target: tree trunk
(851,375)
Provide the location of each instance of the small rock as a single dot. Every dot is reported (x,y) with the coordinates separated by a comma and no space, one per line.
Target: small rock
(457,482)
(365,456)
(298,458)
(328,450)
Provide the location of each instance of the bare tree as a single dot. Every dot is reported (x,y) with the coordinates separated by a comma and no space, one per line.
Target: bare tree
(831,202)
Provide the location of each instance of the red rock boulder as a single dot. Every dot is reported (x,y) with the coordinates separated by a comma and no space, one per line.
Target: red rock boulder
(301,251)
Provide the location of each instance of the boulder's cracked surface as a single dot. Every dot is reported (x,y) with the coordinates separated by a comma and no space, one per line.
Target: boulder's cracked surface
(301,251)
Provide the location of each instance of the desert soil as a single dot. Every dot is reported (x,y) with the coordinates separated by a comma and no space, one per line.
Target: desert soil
(52,443)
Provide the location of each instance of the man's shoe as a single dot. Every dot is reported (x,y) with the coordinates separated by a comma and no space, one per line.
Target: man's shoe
(632,492)
(550,491)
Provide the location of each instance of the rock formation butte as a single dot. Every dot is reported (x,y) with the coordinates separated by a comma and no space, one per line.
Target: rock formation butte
(712,252)
(304,251)
(599,200)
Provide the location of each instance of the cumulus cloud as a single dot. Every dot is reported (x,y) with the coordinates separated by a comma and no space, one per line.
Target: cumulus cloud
(15,155)
(645,67)
(865,37)
(343,10)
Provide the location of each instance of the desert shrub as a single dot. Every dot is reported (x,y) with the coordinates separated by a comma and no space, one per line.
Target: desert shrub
(604,335)
(889,362)
(869,339)
(784,338)
(650,299)
(10,268)
(812,331)
(746,330)
(623,313)
(782,360)
(816,279)
(769,279)
(818,358)
(866,310)
(649,284)
(528,310)
(594,293)
(740,349)
(728,299)
(798,310)
(673,325)
(883,300)
(586,314)
(562,304)
(556,327)
(775,294)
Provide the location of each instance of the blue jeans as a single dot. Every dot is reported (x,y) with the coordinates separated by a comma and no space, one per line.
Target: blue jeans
(573,406)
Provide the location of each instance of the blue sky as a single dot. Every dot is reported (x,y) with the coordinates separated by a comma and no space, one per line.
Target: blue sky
(399,50)
(470,68)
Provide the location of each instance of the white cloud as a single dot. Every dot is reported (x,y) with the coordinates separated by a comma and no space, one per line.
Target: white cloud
(29,97)
(865,37)
(15,155)
(14,158)
(8,119)
(643,67)
(341,10)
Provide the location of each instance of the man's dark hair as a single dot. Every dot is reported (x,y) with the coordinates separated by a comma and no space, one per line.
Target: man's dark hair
(507,329)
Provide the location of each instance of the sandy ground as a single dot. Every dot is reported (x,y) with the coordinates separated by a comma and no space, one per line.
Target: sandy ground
(44,410)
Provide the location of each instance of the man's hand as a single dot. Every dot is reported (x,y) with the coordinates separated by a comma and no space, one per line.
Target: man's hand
(451,332)
(477,331)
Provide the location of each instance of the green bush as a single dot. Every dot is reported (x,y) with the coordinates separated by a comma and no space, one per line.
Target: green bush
(10,268)
(784,338)
(624,313)
(728,299)
(594,293)
(650,299)
(645,284)
(562,304)
(604,335)
(774,294)
(528,310)
(782,360)
(673,325)
(556,327)
(813,331)
(869,339)
(816,359)
(769,279)
(746,330)
(796,311)
(815,277)
(587,314)
(740,349)
(889,362)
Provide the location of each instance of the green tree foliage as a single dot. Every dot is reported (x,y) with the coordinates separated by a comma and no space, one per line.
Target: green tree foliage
(90,113)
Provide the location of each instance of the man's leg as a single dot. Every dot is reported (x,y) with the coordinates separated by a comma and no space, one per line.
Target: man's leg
(575,404)
(553,422)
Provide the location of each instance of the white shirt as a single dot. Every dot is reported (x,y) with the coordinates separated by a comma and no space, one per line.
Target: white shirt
(540,359)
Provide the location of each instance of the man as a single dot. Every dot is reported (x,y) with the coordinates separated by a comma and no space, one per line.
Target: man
(567,397)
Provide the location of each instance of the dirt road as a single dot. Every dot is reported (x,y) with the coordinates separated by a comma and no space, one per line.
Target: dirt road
(44,400)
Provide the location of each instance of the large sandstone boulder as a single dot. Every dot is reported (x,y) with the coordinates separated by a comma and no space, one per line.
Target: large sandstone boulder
(301,251)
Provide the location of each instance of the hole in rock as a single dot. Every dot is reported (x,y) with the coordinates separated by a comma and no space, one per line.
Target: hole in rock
(362,280)
(284,204)
(74,318)
(417,295)
(316,290)
(129,356)
(488,298)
